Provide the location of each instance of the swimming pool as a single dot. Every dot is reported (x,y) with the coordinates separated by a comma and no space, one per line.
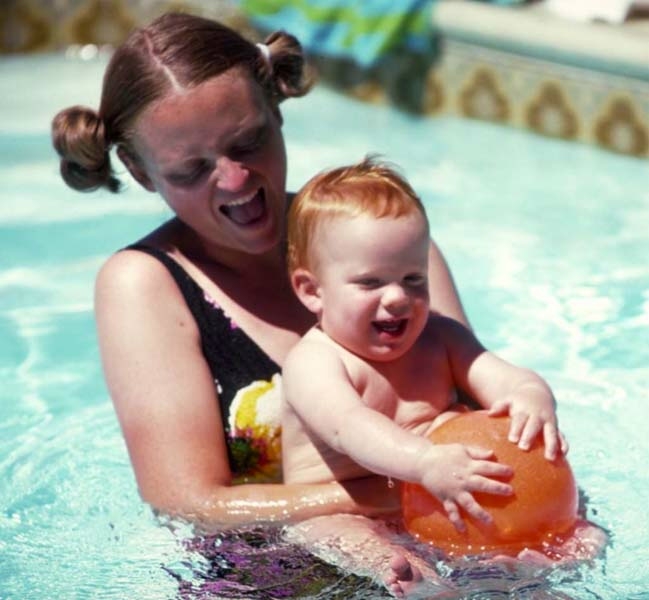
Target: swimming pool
(548,243)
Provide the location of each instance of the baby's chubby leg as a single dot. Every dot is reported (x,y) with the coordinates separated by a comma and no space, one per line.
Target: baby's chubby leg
(363,546)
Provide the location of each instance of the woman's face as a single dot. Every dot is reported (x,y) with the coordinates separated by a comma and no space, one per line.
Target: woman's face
(216,154)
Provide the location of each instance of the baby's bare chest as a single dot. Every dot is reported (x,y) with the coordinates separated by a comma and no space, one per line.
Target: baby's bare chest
(410,392)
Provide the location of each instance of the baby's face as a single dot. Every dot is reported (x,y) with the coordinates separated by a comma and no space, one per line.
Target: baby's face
(373,283)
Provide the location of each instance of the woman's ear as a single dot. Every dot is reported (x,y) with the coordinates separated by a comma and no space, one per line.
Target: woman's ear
(139,174)
(307,289)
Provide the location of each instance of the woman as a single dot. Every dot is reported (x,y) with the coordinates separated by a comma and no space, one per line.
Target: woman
(195,320)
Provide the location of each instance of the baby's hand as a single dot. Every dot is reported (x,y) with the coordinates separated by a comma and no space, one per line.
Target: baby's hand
(532,411)
(452,472)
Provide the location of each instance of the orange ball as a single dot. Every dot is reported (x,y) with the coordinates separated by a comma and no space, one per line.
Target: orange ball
(544,503)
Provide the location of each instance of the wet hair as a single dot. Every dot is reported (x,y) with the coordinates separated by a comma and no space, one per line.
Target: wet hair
(370,187)
(176,50)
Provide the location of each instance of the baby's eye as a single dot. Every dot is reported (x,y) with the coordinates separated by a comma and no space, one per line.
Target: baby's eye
(416,280)
(369,282)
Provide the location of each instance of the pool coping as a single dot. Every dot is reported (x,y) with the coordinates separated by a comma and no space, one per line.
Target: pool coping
(533,30)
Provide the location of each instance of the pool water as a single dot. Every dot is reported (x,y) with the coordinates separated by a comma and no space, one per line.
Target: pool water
(549,247)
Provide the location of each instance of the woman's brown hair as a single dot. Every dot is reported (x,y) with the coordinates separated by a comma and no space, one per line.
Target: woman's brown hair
(175,50)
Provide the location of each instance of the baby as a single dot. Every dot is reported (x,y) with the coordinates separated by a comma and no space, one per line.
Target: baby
(379,371)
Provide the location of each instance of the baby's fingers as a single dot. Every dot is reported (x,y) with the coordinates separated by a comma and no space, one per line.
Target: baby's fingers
(516,427)
(472,508)
(555,442)
(453,512)
(532,428)
(499,407)
(479,453)
(551,441)
(487,469)
(486,485)
(563,443)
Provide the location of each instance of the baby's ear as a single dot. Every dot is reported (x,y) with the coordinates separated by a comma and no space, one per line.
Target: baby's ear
(307,289)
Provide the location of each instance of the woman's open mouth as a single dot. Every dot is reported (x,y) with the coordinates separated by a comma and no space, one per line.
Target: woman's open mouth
(247,209)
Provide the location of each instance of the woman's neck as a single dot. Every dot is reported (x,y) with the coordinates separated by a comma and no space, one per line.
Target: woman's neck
(269,266)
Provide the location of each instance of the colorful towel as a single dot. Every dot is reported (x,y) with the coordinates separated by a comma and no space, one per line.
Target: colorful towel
(362,31)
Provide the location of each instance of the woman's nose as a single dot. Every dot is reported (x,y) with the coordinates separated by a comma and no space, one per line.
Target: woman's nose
(231,175)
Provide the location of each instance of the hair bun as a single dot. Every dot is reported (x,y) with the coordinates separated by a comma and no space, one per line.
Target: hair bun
(291,74)
(79,137)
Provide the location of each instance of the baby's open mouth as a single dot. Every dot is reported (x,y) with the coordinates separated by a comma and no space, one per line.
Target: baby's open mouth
(392,327)
(246,210)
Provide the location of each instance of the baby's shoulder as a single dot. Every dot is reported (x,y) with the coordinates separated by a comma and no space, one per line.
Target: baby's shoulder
(315,353)
(439,326)
(448,333)
(315,343)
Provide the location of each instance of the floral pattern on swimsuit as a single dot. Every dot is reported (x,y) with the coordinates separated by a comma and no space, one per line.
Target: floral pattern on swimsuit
(255,432)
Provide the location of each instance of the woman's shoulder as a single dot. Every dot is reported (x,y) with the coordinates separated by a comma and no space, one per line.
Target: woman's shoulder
(135,282)
(137,298)
(141,265)
(134,269)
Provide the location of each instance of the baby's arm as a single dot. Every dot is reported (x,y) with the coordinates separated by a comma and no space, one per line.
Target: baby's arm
(317,387)
(504,388)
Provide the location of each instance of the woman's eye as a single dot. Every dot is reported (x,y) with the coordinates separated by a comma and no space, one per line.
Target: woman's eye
(188,177)
(245,149)
(250,145)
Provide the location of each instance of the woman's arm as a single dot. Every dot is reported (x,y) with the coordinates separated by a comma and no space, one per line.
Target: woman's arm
(372,496)
(444,297)
(167,407)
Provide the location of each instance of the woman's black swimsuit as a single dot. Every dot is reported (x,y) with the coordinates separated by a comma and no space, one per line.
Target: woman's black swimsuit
(246,379)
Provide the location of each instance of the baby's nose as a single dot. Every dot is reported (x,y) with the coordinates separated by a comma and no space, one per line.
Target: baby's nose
(395,297)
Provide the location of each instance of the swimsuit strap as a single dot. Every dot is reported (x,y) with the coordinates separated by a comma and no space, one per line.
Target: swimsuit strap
(186,284)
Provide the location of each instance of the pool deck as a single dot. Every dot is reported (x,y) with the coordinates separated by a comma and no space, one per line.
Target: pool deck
(534,30)
(525,66)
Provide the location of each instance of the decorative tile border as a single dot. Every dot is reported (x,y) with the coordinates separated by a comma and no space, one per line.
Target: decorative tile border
(548,98)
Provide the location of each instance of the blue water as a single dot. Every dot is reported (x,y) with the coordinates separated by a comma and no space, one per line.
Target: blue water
(547,241)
